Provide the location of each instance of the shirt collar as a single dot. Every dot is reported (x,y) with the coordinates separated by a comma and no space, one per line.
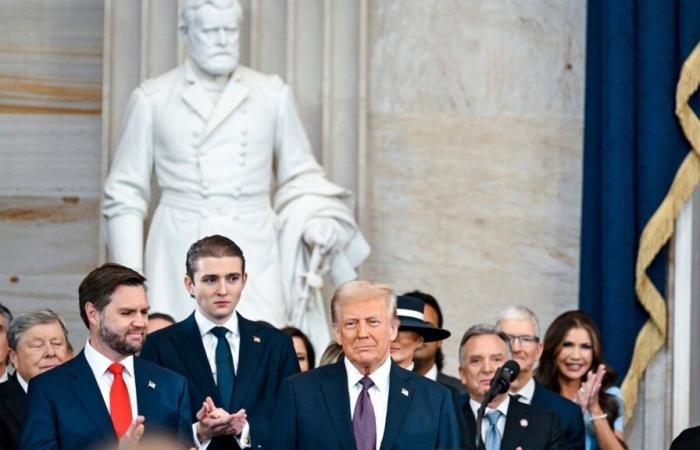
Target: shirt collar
(205,325)
(5,376)
(380,377)
(527,391)
(432,373)
(22,382)
(99,363)
(503,407)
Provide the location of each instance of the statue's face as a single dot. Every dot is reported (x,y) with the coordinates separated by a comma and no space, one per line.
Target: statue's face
(212,38)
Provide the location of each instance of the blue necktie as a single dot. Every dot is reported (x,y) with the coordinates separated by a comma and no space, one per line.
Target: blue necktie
(225,375)
(493,436)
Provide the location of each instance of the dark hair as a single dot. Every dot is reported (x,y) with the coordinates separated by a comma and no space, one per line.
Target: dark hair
(6,313)
(432,301)
(311,354)
(97,287)
(548,372)
(161,316)
(215,246)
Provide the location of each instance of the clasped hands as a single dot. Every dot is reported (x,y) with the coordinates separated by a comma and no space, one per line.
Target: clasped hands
(213,421)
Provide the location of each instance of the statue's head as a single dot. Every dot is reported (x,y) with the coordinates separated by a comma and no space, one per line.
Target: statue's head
(211,28)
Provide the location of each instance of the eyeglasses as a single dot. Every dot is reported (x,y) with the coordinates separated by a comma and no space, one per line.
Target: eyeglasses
(524,340)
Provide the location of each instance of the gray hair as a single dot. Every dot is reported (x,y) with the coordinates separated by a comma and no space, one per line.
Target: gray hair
(24,322)
(191,6)
(481,330)
(519,312)
(359,290)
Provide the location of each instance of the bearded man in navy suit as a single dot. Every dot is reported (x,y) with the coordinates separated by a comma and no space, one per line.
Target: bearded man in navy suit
(364,401)
(231,363)
(105,394)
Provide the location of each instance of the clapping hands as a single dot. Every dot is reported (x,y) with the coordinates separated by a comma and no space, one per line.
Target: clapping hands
(213,421)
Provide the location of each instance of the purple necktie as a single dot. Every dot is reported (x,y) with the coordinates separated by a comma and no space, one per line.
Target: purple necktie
(363,424)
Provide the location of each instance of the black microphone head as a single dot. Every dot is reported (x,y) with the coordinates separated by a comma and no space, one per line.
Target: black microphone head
(510,371)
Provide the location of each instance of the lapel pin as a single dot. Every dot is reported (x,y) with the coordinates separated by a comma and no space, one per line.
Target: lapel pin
(151,384)
(404,392)
(524,423)
(256,339)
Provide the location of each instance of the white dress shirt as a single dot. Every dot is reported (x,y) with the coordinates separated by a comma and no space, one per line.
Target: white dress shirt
(5,376)
(22,382)
(99,363)
(378,393)
(526,392)
(233,336)
(485,424)
(432,373)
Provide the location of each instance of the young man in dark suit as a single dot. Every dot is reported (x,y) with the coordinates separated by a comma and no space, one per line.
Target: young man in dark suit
(523,329)
(364,401)
(507,423)
(105,394)
(230,362)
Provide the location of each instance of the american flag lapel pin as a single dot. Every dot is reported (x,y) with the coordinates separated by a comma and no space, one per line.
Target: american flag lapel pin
(404,392)
(256,339)
(151,384)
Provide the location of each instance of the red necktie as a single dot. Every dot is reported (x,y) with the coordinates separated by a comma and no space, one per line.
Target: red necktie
(119,404)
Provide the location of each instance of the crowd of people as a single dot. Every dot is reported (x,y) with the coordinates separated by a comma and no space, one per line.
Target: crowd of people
(220,381)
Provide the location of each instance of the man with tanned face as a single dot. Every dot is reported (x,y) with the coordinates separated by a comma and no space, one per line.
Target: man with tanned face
(507,423)
(105,394)
(523,329)
(364,401)
(231,363)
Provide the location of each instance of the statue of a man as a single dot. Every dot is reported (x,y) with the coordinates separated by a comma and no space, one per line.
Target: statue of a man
(219,137)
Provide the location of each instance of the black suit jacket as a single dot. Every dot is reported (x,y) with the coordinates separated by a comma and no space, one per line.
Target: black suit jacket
(451,382)
(688,440)
(266,357)
(313,413)
(569,413)
(13,408)
(527,426)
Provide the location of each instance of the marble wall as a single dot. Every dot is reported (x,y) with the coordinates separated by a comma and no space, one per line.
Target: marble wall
(475,122)
(50,153)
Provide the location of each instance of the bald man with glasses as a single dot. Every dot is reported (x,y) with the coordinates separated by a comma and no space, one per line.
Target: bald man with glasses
(522,327)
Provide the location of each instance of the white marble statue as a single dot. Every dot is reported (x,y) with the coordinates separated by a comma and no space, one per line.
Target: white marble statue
(222,141)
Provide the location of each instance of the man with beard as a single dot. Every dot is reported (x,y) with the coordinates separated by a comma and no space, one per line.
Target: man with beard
(105,394)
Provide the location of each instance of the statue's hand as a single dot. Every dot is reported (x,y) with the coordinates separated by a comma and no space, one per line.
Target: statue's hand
(321,232)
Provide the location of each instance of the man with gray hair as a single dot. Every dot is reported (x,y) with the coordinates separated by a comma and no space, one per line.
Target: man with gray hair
(217,136)
(523,330)
(364,401)
(38,342)
(5,319)
(507,423)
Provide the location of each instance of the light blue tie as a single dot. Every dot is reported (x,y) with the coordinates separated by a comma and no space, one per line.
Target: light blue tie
(493,436)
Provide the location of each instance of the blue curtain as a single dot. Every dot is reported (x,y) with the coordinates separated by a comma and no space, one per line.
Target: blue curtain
(633,145)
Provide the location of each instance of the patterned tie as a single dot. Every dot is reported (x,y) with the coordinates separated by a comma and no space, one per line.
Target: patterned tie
(493,436)
(119,404)
(225,375)
(364,426)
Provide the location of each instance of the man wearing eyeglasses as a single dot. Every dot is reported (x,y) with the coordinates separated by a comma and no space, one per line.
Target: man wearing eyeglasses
(523,329)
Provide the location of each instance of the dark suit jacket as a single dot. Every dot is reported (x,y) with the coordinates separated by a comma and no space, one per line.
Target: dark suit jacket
(451,382)
(313,413)
(527,426)
(569,413)
(688,440)
(265,359)
(65,408)
(13,407)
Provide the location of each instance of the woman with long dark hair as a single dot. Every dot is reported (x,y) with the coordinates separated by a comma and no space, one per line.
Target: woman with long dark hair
(572,364)
(303,348)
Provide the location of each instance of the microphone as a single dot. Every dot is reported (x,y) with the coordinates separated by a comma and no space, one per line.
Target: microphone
(501,381)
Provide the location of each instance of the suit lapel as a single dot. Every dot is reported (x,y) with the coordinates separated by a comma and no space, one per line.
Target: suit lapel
(15,399)
(516,424)
(87,393)
(334,388)
(194,95)
(146,394)
(250,354)
(233,95)
(469,420)
(191,350)
(400,394)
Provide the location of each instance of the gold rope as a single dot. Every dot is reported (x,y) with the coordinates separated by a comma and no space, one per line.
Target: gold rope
(659,230)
